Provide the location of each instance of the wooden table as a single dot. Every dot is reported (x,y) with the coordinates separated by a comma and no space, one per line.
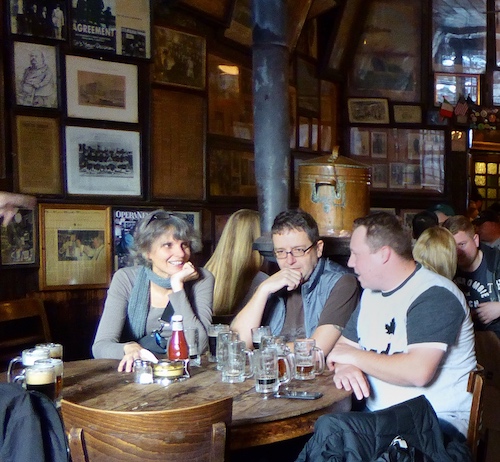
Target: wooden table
(256,421)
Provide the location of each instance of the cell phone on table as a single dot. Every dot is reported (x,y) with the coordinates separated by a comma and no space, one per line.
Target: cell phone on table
(295,394)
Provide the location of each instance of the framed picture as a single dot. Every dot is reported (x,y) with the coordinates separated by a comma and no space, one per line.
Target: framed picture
(179,58)
(102,90)
(397,175)
(304,132)
(38,156)
(380,176)
(124,221)
(412,176)
(360,142)
(415,145)
(407,217)
(46,19)
(368,110)
(103,162)
(459,141)
(133,28)
(75,246)
(232,173)
(379,144)
(35,74)
(240,27)
(18,240)
(407,113)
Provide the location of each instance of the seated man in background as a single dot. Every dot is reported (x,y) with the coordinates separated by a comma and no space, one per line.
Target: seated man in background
(309,296)
(487,225)
(400,343)
(478,274)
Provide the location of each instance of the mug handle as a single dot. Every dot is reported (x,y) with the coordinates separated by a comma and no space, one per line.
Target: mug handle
(289,366)
(13,362)
(319,364)
(249,354)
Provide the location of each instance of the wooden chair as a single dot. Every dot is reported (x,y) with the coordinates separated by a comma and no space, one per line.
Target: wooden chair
(23,323)
(475,434)
(196,433)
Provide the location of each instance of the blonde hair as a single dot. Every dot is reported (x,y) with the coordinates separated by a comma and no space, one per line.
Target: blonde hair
(234,264)
(436,250)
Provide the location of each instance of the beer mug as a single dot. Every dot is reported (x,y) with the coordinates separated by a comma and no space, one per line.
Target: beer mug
(193,340)
(213,331)
(267,373)
(59,370)
(41,378)
(257,333)
(286,359)
(56,349)
(222,339)
(236,368)
(309,359)
(27,358)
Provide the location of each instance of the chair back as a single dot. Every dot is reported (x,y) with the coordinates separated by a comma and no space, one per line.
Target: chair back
(196,433)
(23,323)
(474,434)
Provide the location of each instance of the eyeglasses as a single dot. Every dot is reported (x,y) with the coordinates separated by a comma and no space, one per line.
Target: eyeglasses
(297,252)
(166,216)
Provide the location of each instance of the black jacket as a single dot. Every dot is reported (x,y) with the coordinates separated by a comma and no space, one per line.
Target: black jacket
(31,428)
(365,436)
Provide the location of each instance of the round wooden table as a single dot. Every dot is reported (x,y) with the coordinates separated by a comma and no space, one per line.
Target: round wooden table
(256,421)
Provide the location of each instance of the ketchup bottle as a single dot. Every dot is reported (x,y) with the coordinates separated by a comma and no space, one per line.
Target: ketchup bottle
(178,348)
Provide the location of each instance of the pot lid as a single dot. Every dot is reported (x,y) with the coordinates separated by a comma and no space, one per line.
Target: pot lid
(334,158)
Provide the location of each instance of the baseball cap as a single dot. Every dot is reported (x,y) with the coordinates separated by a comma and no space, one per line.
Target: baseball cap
(443,208)
(486,215)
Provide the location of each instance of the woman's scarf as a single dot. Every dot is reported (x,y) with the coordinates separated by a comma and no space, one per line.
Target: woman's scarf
(138,305)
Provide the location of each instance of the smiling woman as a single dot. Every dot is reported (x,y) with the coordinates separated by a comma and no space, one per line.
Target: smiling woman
(142,299)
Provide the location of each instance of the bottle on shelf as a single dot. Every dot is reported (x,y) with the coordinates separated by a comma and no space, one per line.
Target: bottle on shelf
(178,348)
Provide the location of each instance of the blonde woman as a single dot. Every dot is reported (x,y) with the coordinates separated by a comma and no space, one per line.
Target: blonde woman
(436,250)
(235,265)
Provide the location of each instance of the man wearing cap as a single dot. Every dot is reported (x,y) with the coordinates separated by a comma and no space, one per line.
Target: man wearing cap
(478,274)
(487,226)
(442,211)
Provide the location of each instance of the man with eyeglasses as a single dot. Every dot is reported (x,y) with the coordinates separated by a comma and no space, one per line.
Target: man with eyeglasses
(309,296)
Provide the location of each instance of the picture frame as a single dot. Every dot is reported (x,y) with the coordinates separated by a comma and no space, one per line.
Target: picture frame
(101,90)
(459,141)
(378,144)
(407,215)
(133,28)
(413,176)
(415,145)
(305,132)
(75,246)
(240,26)
(407,113)
(380,176)
(368,110)
(179,58)
(37,160)
(35,75)
(103,162)
(397,175)
(240,165)
(124,221)
(46,19)
(19,241)
(359,142)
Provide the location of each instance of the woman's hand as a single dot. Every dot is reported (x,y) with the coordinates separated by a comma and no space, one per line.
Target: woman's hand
(133,351)
(188,273)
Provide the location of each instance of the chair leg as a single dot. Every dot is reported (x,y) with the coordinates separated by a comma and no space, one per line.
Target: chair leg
(77,447)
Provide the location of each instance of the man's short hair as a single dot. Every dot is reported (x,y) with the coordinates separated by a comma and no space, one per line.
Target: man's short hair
(386,229)
(460,223)
(423,220)
(296,220)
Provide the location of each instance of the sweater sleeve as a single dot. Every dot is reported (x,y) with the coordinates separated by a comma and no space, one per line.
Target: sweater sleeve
(109,332)
(196,310)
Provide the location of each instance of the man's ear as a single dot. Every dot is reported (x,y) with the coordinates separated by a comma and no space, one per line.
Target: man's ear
(385,253)
(319,248)
(476,239)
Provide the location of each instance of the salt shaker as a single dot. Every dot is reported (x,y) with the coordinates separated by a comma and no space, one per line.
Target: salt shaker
(143,371)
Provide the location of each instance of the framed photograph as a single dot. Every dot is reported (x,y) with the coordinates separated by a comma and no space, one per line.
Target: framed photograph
(230,99)
(124,221)
(133,28)
(407,217)
(18,240)
(368,110)
(412,176)
(379,145)
(75,246)
(397,175)
(37,162)
(380,176)
(103,162)
(180,58)
(102,90)
(46,19)
(459,141)
(407,113)
(304,132)
(360,142)
(415,145)
(35,74)
(240,27)
(231,173)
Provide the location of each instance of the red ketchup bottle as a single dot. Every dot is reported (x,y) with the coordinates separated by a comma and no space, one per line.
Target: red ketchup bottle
(178,348)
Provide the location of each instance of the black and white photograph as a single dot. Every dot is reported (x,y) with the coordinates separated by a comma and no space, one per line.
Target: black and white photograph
(415,145)
(412,176)
(80,245)
(379,144)
(94,25)
(379,176)
(360,142)
(18,239)
(103,162)
(35,69)
(368,110)
(133,28)
(397,177)
(102,90)
(39,18)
